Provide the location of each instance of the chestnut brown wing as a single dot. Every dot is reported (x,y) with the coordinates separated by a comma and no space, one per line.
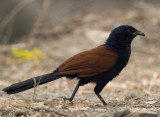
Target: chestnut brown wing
(89,63)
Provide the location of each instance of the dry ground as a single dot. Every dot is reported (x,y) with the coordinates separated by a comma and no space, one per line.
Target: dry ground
(135,92)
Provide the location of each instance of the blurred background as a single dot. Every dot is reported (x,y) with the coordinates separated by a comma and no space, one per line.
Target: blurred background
(38,35)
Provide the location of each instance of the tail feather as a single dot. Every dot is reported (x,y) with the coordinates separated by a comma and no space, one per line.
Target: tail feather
(30,83)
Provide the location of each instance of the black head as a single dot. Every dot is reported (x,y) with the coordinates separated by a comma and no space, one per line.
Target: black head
(123,36)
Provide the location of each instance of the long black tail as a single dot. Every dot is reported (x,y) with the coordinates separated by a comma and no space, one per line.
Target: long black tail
(30,83)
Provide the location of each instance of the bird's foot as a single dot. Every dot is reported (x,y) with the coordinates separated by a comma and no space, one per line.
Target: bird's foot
(69,99)
(104,103)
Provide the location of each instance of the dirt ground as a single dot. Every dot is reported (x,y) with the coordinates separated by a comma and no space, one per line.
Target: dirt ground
(134,93)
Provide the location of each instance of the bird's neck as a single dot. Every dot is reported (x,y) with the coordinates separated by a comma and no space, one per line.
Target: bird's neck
(114,46)
(118,48)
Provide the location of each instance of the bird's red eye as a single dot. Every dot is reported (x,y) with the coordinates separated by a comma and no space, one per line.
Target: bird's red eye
(129,30)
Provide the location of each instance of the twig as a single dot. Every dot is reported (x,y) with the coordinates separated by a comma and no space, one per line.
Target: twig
(42,16)
(9,31)
(36,84)
(12,14)
(49,110)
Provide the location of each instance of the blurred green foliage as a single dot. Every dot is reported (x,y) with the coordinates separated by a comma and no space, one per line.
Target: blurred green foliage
(34,55)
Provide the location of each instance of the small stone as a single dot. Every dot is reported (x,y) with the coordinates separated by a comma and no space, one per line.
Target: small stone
(145,113)
(38,114)
(117,91)
(130,95)
(121,112)
(19,112)
(157,103)
(52,114)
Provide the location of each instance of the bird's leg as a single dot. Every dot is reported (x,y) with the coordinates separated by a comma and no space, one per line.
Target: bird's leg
(98,88)
(74,92)
(102,100)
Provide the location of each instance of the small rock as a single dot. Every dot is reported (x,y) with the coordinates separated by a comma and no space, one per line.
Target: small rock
(38,114)
(130,95)
(121,112)
(3,112)
(145,113)
(19,112)
(52,115)
(157,103)
(117,90)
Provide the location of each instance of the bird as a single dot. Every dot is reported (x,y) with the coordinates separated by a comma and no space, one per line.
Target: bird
(98,65)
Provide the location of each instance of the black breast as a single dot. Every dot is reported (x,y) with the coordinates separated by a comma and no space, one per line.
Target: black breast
(123,57)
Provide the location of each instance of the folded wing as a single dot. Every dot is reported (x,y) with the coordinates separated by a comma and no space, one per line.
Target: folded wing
(89,63)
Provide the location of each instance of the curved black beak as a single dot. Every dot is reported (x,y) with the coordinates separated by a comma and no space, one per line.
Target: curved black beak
(139,33)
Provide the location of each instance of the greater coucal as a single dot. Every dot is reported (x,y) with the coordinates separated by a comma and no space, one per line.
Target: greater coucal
(98,65)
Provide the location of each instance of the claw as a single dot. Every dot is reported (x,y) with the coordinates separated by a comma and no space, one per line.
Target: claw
(69,99)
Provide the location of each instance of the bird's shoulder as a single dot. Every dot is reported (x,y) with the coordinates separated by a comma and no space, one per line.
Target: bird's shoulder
(103,51)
